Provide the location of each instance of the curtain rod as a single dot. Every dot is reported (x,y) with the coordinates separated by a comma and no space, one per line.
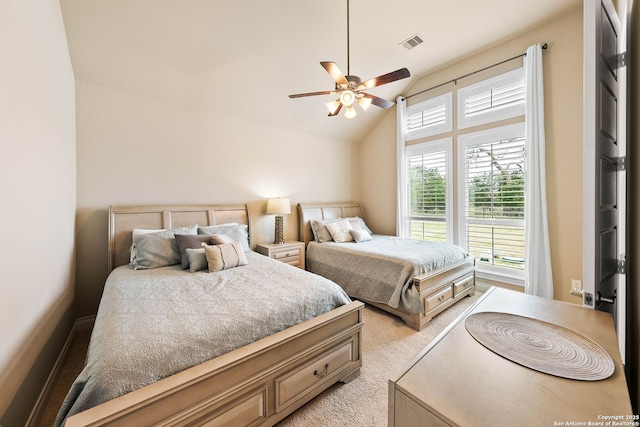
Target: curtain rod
(455,81)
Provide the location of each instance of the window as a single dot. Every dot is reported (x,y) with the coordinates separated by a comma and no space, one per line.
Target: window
(429,192)
(429,118)
(492,201)
(488,216)
(491,100)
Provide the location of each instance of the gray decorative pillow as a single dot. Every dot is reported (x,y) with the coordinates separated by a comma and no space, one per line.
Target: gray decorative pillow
(360,235)
(159,249)
(220,239)
(222,257)
(189,241)
(320,232)
(197,259)
(237,232)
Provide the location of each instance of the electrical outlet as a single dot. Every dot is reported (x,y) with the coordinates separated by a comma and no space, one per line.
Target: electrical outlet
(576,284)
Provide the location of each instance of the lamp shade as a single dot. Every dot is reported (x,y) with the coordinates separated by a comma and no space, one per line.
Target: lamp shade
(278,206)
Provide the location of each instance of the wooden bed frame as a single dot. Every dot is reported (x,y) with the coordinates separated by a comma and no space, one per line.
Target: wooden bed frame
(438,289)
(256,385)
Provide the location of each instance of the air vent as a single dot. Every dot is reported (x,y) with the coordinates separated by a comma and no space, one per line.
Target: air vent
(412,41)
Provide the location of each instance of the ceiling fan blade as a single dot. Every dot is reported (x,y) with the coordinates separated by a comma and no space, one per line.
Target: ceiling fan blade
(379,102)
(300,95)
(402,73)
(335,72)
(335,113)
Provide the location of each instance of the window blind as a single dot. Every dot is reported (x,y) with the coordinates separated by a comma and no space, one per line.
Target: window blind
(427,196)
(430,117)
(498,98)
(427,118)
(494,201)
(495,98)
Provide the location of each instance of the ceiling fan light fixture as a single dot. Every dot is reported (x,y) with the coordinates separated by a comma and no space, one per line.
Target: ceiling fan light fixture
(350,88)
(333,106)
(347,97)
(365,103)
(350,112)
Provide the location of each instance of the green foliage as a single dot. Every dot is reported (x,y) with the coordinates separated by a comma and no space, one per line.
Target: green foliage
(428,191)
(499,192)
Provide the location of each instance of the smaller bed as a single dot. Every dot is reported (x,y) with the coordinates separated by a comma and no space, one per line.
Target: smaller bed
(411,279)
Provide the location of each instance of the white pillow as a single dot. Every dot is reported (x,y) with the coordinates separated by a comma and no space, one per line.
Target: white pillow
(360,235)
(358,224)
(339,231)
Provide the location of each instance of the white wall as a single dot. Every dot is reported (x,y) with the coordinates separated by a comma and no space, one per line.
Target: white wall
(134,149)
(37,183)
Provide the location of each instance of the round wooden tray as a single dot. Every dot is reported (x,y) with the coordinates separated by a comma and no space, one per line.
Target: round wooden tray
(542,346)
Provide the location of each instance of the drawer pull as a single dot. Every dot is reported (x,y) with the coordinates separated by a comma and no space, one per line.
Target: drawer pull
(323,373)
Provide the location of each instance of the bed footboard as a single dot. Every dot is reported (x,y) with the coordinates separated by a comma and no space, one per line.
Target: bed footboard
(438,291)
(258,384)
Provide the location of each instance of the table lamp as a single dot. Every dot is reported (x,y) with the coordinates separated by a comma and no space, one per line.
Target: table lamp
(279,207)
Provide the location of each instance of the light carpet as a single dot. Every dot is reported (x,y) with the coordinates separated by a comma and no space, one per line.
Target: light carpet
(388,346)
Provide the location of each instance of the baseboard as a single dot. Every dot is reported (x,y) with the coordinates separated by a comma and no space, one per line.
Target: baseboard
(80,325)
(482,287)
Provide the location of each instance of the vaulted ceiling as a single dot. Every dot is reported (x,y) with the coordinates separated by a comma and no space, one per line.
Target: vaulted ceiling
(245,57)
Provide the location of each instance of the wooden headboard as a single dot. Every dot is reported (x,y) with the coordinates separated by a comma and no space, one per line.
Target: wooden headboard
(123,219)
(309,211)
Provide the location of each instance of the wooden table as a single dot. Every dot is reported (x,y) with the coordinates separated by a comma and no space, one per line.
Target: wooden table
(456,381)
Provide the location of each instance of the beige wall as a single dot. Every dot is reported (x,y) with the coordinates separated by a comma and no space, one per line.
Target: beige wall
(133,149)
(37,190)
(563,123)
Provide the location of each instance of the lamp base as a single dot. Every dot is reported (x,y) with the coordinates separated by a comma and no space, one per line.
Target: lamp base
(279,230)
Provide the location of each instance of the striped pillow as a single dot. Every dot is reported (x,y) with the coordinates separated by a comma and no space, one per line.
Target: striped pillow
(222,257)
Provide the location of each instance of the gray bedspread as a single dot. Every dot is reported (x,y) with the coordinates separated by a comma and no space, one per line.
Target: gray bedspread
(381,270)
(154,323)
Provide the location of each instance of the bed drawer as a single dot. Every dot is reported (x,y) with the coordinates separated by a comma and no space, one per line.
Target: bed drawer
(295,384)
(463,284)
(439,298)
(248,410)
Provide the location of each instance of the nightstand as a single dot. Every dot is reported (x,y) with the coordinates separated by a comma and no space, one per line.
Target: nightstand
(290,252)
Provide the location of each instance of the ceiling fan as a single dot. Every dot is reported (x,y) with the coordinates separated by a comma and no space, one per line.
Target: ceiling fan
(351,89)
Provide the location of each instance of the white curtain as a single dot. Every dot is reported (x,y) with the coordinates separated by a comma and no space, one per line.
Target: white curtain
(538,274)
(401,141)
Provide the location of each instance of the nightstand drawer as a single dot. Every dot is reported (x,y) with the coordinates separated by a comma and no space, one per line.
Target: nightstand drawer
(295,261)
(282,255)
(291,253)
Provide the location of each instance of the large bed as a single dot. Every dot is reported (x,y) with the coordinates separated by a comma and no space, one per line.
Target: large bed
(241,346)
(411,279)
